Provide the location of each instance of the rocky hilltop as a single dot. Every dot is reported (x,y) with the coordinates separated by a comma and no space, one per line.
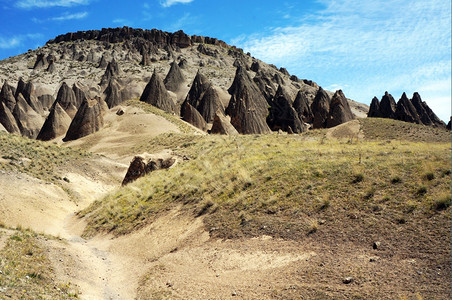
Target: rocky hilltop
(200,79)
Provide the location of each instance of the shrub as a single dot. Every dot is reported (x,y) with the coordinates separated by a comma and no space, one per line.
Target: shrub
(442,202)
(421,191)
(358,178)
(396,179)
(429,176)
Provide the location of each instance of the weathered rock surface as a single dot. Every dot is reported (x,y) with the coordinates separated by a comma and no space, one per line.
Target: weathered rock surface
(221,125)
(174,79)
(340,111)
(80,95)
(66,98)
(56,124)
(7,119)
(7,96)
(210,104)
(321,109)
(192,116)
(111,71)
(46,101)
(156,94)
(112,94)
(387,106)
(374,109)
(88,119)
(282,115)
(405,111)
(28,120)
(247,107)
(138,167)
(301,105)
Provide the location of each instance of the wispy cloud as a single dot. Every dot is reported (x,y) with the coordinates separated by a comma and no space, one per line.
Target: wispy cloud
(370,46)
(168,3)
(50,3)
(67,16)
(17,40)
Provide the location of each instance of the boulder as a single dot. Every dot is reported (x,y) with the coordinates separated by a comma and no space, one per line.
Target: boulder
(210,104)
(405,111)
(192,116)
(255,66)
(67,99)
(56,124)
(7,119)
(88,120)
(301,105)
(138,167)
(282,115)
(387,106)
(340,111)
(221,125)
(174,79)
(374,109)
(247,107)
(28,120)
(320,108)
(156,94)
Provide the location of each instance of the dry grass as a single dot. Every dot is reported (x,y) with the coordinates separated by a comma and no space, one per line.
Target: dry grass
(26,271)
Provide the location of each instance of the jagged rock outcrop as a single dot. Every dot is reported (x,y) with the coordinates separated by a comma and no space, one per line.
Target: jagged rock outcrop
(284,71)
(56,124)
(197,90)
(426,114)
(66,98)
(301,105)
(103,63)
(387,106)
(28,92)
(255,66)
(112,71)
(210,104)
(192,116)
(28,120)
(7,96)
(113,94)
(138,167)
(51,68)
(247,107)
(89,119)
(207,51)
(374,109)
(265,84)
(41,61)
(340,111)
(221,125)
(183,63)
(156,94)
(320,107)
(7,119)
(405,111)
(282,115)
(145,60)
(174,79)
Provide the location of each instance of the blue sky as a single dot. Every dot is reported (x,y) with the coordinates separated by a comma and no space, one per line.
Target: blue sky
(362,47)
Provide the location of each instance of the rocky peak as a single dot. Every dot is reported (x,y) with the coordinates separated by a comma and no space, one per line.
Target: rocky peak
(174,79)
(340,111)
(66,98)
(405,111)
(88,119)
(321,108)
(156,94)
(301,105)
(282,115)
(387,106)
(374,110)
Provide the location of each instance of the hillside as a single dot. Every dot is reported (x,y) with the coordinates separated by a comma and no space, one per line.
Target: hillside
(260,216)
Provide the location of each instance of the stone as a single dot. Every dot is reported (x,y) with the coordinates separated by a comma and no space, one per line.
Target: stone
(28,120)
(282,115)
(197,90)
(387,106)
(111,71)
(7,119)
(221,125)
(7,96)
(405,111)
(210,104)
(174,79)
(320,108)
(192,116)
(340,111)
(88,119)
(348,280)
(374,109)
(156,94)
(301,105)
(46,101)
(56,124)
(67,99)
(113,94)
(80,95)
(376,245)
(138,167)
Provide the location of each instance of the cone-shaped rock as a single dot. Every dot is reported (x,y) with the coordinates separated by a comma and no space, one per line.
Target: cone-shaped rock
(340,111)
(192,116)
(247,107)
(103,62)
(56,124)
(198,88)
(374,110)
(88,120)
(111,71)
(51,68)
(155,94)
(28,120)
(265,85)
(282,115)
(66,98)
(405,111)
(80,95)
(426,114)
(210,104)
(301,105)
(20,87)
(7,96)
(221,125)
(113,94)
(41,61)
(7,119)
(174,79)
(320,108)
(30,96)
(449,126)
(46,101)
(387,106)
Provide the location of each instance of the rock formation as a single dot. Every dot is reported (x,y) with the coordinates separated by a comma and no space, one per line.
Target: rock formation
(387,106)
(56,124)
(174,79)
(301,105)
(66,98)
(7,96)
(41,61)
(247,107)
(192,116)
(374,110)
(282,115)
(7,119)
(198,88)
(210,104)
(111,71)
(138,167)
(46,101)
(448,126)
(80,95)
(321,109)
(426,114)
(88,119)
(155,94)
(28,120)
(113,94)
(405,111)
(340,111)
(221,125)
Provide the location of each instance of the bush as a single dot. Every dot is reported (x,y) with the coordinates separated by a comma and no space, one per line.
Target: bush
(396,179)
(442,202)
(358,178)
(421,191)
(429,176)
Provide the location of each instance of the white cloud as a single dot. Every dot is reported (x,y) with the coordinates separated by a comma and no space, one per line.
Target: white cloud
(17,41)
(50,3)
(168,3)
(67,17)
(371,46)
